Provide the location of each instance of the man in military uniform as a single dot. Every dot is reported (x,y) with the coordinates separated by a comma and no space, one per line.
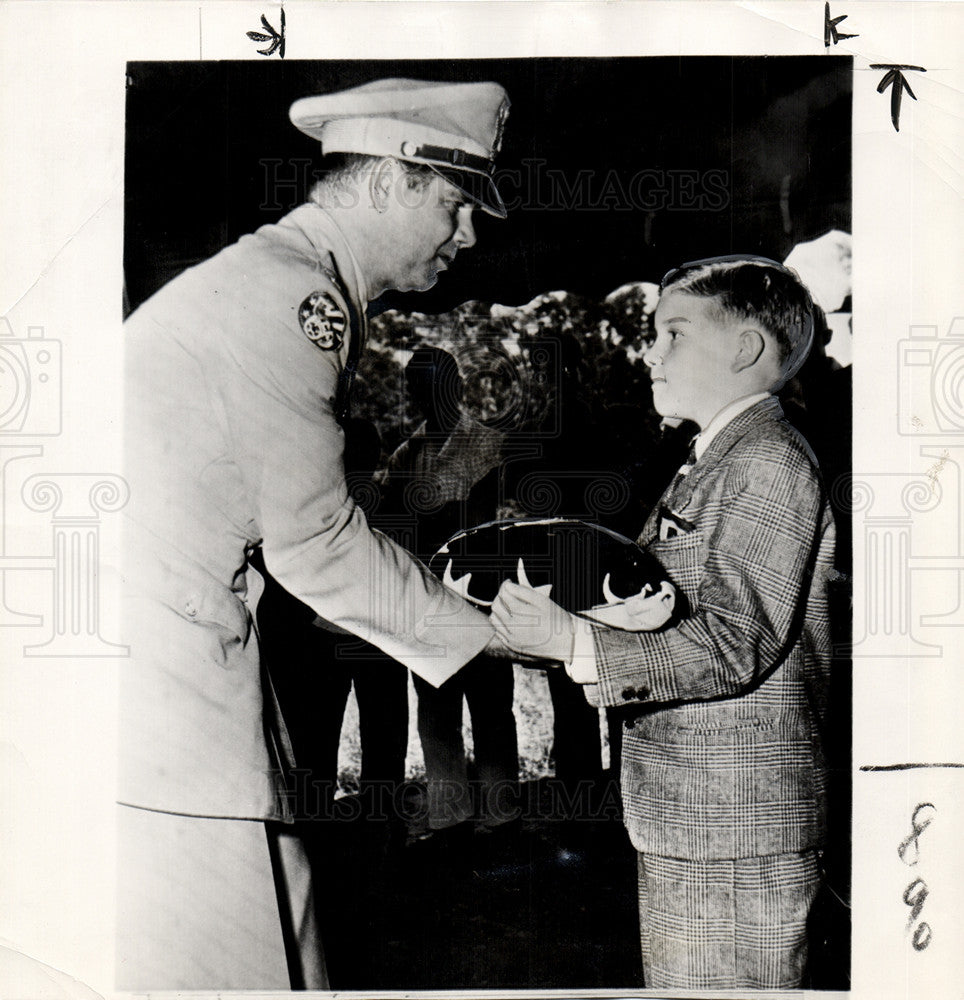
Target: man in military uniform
(237,373)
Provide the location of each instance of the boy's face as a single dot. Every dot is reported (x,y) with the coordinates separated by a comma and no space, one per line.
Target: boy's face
(691,359)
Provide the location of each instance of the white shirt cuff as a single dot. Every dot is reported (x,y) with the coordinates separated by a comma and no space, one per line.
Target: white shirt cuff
(582,665)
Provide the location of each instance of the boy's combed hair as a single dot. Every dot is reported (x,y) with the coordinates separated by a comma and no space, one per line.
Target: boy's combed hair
(755,289)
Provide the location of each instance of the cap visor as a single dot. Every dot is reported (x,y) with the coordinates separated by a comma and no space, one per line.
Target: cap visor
(478,188)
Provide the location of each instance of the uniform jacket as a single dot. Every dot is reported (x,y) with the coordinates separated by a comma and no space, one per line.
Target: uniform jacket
(724,758)
(231,441)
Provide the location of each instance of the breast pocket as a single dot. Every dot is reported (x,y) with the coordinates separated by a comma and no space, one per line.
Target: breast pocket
(682,558)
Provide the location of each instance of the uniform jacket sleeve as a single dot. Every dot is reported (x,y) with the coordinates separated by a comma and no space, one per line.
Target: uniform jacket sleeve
(276,392)
(746,569)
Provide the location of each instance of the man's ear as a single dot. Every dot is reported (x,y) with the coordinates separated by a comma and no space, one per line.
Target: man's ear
(381,180)
(750,347)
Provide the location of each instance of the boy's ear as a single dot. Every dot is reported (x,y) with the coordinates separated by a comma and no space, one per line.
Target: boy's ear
(750,347)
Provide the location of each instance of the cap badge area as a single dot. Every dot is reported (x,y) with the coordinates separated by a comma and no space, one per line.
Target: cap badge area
(323,321)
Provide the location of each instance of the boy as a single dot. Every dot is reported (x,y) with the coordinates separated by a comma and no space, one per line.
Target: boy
(723,774)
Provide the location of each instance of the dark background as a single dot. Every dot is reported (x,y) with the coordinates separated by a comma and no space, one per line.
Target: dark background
(761,144)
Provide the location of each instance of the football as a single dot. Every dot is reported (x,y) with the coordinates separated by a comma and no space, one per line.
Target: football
(587,566)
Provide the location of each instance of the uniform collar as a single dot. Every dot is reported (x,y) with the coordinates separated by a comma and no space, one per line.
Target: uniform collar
(329,241)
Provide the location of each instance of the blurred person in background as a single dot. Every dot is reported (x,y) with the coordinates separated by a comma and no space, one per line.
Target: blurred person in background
(435,483)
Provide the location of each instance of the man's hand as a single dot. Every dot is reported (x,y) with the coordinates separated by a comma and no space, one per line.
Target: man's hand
(497,648)
(527,621)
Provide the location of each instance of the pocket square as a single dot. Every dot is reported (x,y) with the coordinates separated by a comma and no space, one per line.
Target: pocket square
(672,524)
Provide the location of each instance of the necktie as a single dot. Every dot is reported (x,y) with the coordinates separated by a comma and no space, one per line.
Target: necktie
(684,469)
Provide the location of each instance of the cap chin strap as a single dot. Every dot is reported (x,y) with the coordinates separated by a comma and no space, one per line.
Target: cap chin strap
(457,158)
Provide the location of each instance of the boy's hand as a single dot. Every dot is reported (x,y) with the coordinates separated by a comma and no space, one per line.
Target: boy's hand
(642,612)
(527,621)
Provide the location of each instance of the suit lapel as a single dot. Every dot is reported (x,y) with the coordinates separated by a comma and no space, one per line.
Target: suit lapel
(681,492)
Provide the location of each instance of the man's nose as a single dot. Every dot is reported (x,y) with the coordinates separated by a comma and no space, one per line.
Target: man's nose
(465,234)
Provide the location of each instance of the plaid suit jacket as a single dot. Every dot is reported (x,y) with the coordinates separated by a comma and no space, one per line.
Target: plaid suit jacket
(724,758)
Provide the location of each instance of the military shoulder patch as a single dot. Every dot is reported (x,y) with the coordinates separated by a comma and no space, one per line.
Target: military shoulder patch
(323,321)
